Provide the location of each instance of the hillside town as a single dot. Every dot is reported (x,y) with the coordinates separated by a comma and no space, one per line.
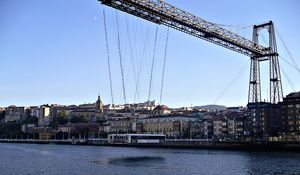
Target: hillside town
(258,121)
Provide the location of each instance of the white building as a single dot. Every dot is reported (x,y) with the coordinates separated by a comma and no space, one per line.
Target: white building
(44,117)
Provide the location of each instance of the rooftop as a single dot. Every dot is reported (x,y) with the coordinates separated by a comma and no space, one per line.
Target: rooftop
(293,94)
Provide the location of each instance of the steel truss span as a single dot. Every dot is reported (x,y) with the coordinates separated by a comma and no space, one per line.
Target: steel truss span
(161,12)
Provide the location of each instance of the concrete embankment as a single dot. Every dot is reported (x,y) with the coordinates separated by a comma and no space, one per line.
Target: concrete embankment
(244,146)
(31,141)
(249,146)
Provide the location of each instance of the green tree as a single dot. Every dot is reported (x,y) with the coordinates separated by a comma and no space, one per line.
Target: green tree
(84,119)
(79,119)
(13,129)
(31,120)
(60,119)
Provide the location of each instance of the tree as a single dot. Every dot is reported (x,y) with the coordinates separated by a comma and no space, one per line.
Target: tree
(79,119)
(60,119)
(13,128)
(31,120)
(83,119)
(2,115)
(2,129)
(100,120)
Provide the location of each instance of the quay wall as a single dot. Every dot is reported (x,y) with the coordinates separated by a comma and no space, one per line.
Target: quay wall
(243,146)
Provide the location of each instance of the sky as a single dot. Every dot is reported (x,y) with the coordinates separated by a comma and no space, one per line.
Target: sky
(54,52)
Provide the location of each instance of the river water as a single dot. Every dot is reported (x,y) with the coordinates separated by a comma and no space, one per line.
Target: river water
(34,159)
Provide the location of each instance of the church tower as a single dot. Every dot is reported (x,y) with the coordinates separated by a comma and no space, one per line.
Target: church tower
(99,104)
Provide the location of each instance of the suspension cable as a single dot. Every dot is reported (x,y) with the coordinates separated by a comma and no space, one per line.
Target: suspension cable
(108,58)
(120,57)
(164,65)
(296,68)
(235,78)
(264,39)
(152,65)
(286,48)
(142,63)
(288,79)
(130,49)
(145,46)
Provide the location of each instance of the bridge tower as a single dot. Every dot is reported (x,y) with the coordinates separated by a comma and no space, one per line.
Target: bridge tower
(276,94)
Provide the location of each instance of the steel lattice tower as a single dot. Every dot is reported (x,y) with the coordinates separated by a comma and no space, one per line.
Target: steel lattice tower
(276,94)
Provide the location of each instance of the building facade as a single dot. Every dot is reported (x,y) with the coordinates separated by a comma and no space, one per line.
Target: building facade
(173,126)
(44,117)
(291,117)
(14,114)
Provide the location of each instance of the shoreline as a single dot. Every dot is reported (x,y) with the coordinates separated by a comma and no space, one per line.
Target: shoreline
(209,145)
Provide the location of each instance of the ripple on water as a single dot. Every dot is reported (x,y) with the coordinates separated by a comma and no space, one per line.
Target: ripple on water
(76,160)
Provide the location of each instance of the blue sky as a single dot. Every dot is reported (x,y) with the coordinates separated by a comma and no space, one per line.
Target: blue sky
(54,52)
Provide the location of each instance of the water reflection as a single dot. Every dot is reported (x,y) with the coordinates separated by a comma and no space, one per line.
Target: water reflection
(132,161)
(145,161)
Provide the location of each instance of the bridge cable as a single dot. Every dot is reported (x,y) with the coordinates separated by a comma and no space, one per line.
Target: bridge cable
(164,65)
(288,79)
(108,58)
(120,57)
(146,42)
(235,78)
(263,39)
(152,65)
(286,48)
(130,49)
(293,66)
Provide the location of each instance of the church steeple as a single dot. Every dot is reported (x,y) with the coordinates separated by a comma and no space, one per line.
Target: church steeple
(99,104)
